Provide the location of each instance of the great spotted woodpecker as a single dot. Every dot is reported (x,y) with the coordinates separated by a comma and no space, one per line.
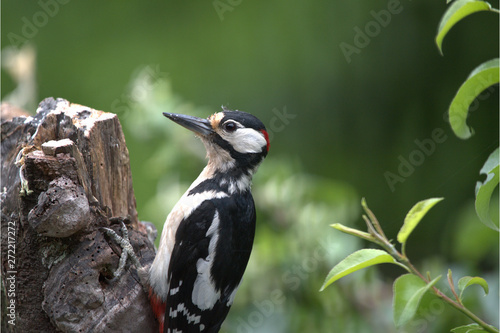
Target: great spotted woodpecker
(208,236)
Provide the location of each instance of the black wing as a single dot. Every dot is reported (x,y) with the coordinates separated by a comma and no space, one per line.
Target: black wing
(217,237)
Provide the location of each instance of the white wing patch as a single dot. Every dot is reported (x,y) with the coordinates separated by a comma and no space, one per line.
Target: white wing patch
(205,294)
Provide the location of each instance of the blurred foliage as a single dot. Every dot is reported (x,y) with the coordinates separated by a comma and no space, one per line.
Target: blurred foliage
(353,121)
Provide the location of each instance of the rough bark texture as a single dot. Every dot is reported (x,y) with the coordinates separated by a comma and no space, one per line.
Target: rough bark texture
(65,174)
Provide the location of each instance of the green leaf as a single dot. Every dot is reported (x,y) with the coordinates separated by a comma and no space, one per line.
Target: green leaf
(408,292)
(356,261)
(485,189)
(455,12)
(471,328)
(482,77)
(353,232)
(467,281)
(414,216)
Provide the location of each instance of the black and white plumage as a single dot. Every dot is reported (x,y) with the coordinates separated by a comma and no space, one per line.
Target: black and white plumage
(207,238)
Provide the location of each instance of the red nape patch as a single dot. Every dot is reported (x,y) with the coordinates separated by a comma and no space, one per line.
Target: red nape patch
(158,308)
(267,138)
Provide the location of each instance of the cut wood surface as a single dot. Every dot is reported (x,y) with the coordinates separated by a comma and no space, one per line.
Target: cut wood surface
(65,174)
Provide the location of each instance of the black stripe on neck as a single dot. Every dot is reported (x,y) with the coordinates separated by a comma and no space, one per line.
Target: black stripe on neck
(221,181)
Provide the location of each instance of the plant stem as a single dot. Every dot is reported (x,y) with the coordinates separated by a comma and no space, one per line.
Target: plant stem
(452,286)
(376,235)
(460,307)
(373,220)
(465,311)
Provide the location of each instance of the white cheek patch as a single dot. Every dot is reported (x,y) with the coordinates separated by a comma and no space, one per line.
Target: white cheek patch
(247,140)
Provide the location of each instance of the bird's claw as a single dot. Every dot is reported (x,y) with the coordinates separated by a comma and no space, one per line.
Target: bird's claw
(127,250)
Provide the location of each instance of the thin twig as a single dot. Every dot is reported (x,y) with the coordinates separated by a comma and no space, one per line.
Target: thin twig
(452,286)
(373,218)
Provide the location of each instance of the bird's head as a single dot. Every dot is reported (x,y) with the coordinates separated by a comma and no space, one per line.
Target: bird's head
(233,139)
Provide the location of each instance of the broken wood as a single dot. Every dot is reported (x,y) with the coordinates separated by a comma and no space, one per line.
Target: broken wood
(65,174)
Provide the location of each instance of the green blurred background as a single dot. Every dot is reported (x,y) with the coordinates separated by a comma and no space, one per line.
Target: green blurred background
(338,124)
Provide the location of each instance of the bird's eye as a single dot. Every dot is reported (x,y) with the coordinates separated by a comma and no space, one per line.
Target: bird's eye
(229,126)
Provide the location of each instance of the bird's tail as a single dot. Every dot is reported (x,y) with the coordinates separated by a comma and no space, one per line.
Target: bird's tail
(158,308)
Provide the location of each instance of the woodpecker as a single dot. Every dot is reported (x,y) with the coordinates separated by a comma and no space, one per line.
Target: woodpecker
(207,238)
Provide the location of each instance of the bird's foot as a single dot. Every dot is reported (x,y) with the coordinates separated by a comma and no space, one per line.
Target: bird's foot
(127,251)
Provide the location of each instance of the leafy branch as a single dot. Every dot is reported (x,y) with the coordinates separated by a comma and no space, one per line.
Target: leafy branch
(482,77)
(408,288)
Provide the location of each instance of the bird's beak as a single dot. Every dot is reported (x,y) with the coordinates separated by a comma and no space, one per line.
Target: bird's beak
(198,125)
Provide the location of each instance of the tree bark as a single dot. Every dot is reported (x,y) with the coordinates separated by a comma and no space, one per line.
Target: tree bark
(65,174)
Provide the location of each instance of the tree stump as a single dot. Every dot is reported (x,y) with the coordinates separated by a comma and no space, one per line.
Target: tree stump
(65,174)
